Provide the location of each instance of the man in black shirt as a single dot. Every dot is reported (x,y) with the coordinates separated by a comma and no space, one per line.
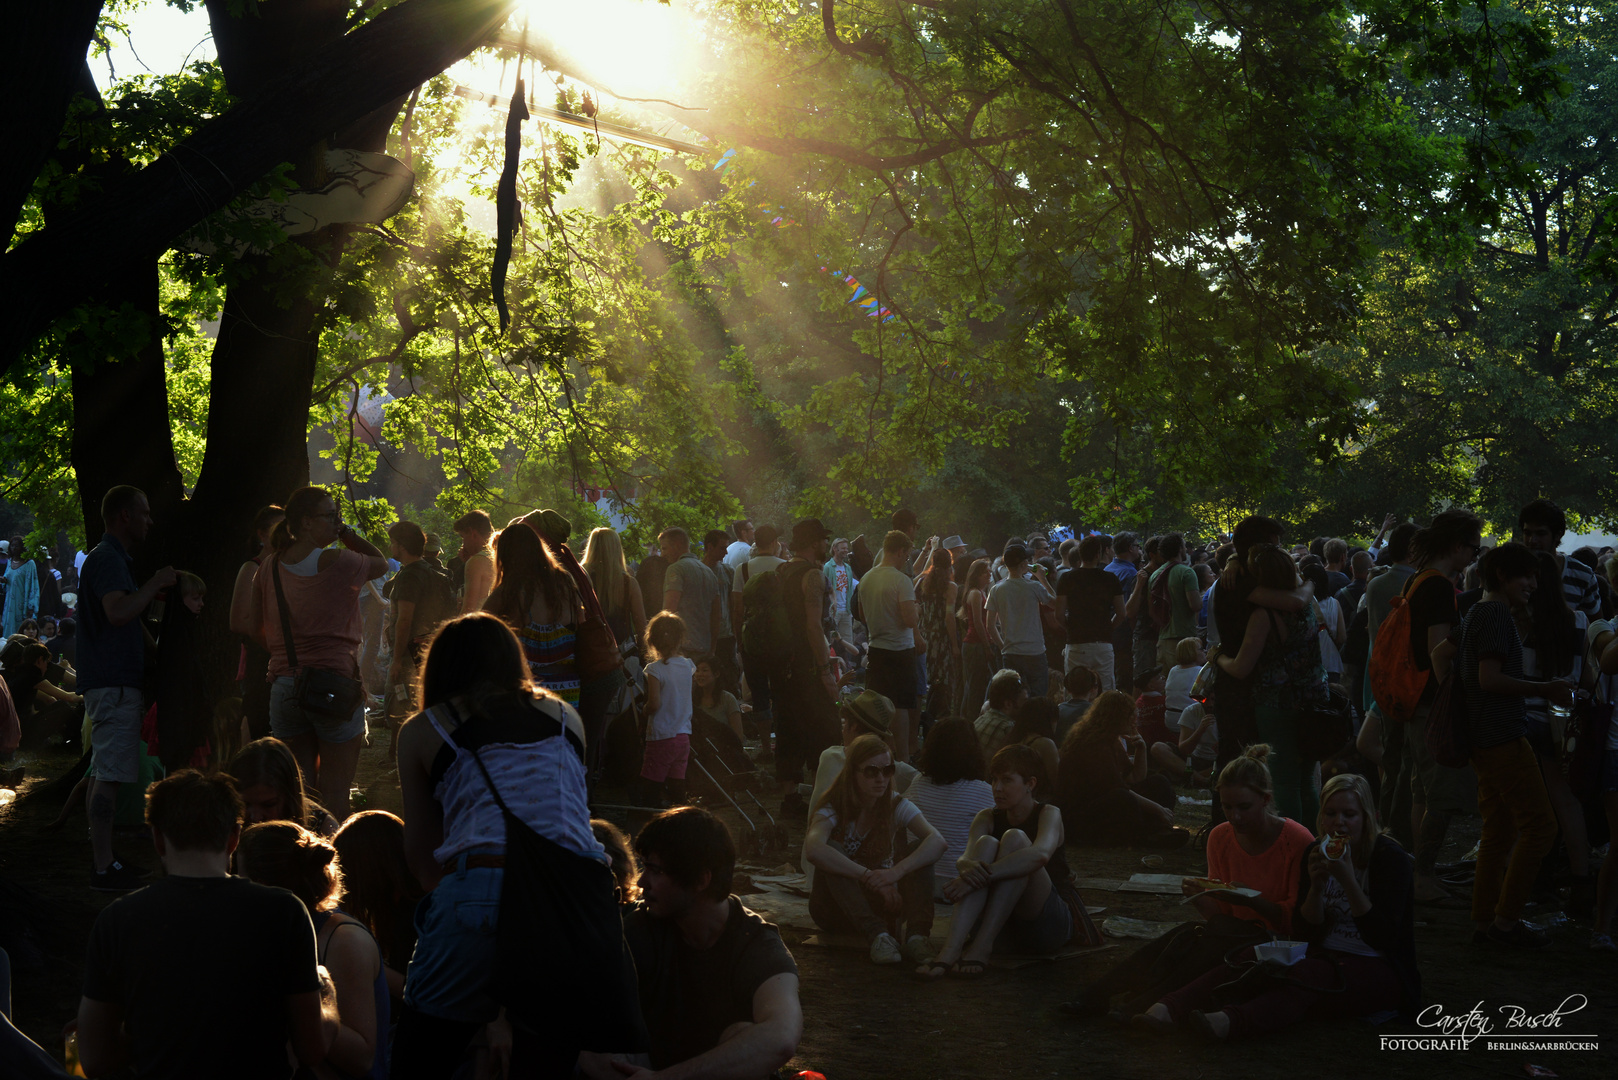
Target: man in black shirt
(718,988)
(1092,602)
(1437,792)
(201,973)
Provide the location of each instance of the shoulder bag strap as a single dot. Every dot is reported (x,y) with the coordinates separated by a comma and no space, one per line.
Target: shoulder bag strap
(281,607)
(487,779)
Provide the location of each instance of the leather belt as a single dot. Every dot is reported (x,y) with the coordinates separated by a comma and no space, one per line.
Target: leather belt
(475,862)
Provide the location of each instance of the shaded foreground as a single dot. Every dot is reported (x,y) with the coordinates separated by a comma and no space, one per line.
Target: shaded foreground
(863,1021)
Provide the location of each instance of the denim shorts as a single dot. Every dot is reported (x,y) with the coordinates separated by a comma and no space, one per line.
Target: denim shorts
(1040,936)
(288,719)
(451,970)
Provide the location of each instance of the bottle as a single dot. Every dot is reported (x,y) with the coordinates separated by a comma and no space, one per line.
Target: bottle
(357,799)
(70,1055)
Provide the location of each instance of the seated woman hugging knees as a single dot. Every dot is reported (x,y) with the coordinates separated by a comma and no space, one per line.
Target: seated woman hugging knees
(871,873)
(1014,892)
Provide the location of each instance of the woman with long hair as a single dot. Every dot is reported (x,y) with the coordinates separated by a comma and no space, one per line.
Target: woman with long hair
(615,586)
(314,588)
(1104,783)
(253,668)
(951,790)
(378,888)
(1357,914)
(485,727)
(290,857)
(935,607)
(871,874)
(976,660)
(1280,651)
(534,596)
(273,789)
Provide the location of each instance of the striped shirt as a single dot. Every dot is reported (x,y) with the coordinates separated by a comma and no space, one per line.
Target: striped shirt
(950,808)
(534,751)
(1580,588)
(548,648)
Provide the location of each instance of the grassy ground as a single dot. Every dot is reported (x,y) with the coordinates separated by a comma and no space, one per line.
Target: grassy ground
(862,1021)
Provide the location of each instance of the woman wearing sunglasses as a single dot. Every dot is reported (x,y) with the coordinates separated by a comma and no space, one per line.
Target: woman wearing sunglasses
(874,852)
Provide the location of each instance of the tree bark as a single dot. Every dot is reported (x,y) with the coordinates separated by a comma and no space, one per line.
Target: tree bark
(46,46)
(51,272)
(121,431)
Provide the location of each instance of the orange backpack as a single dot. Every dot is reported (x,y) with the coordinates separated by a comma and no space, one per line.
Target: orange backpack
(1396,683)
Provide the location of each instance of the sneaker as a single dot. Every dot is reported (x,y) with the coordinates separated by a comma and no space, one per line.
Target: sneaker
(1602,942)
(1519,936)
(919,949)
(115,878)
(884,950)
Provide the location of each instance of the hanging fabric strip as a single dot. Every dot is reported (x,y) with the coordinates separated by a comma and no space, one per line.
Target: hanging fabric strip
(505,200)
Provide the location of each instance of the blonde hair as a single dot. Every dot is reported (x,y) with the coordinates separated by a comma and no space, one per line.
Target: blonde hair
(604,563)
(190,584)
(1250,771)
(1355,785)
(1185,653)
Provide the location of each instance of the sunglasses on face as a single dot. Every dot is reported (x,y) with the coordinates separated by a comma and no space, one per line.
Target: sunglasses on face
(871,772)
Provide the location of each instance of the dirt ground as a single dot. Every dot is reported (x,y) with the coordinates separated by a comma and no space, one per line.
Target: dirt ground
(862,1021)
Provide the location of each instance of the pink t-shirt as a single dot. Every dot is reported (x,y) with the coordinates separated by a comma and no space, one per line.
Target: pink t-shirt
(1273,872)
(325,613)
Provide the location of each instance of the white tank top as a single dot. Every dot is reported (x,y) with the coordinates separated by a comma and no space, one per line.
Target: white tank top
(537,763)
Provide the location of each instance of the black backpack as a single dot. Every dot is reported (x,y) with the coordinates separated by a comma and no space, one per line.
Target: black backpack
(438,599)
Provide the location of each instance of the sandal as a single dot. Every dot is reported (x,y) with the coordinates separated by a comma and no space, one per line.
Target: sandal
(929,971)
(968,969)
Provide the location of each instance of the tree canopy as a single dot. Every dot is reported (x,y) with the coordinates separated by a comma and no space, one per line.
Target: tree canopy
(1127,262)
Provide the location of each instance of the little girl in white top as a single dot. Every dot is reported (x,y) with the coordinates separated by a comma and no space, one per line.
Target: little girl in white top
(668,704)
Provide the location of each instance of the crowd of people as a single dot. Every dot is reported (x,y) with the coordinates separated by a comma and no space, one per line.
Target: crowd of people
(946,724)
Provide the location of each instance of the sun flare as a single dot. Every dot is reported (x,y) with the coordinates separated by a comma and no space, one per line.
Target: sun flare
(632,48)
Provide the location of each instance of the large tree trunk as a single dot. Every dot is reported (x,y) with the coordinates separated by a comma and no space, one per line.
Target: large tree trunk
(121,430)
(263,365)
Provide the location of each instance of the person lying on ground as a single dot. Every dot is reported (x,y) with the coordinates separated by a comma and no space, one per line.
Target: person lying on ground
(1104,786)
(718,988)
(868,713)
(287,856)
(1253,848)
(872,874)
(199,967)
(1358,893)
(950,791)
(1006,896)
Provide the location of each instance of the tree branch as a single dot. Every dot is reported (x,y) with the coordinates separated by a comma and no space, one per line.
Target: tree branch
(50,273)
